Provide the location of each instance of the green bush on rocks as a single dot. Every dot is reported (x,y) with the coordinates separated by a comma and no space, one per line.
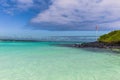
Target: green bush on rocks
(112,37)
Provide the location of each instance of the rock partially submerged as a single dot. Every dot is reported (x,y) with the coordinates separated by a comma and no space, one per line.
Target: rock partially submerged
(110,41)
(97,45)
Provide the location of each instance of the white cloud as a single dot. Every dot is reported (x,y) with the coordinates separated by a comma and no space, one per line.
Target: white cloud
(111,26)
(69,13)
(9,6)
(80,11)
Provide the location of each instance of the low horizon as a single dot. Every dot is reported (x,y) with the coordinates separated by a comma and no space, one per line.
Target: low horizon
(36,36)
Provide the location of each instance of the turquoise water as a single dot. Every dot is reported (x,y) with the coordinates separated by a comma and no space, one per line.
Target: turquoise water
(43,61)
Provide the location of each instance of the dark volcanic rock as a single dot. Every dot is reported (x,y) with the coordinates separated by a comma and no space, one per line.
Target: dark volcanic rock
(97,45)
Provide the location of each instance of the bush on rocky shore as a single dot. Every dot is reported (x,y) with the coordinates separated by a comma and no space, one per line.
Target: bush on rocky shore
(112,37)
(109,41)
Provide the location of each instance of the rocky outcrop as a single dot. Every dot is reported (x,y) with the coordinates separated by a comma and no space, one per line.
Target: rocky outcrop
(97,45)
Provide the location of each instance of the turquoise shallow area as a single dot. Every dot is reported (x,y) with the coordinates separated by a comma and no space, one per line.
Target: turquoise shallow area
(43,61)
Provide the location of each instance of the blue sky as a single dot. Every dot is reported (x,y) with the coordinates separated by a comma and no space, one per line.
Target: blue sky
(24,17)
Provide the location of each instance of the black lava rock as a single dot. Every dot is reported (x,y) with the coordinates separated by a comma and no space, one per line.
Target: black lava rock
(97,45)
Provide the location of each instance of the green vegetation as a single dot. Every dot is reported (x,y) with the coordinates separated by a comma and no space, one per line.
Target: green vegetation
(112,37)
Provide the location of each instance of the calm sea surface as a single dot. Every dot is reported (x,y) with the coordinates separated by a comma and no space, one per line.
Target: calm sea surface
(44,61)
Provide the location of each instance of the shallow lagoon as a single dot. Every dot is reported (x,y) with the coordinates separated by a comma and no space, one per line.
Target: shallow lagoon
(44,61)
